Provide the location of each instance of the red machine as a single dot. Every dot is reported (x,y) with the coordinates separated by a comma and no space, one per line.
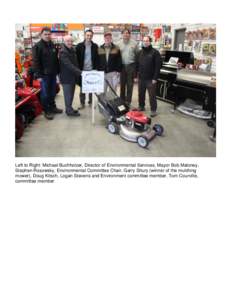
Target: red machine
(27,107)
(29,95)
(36,84)
(138,116)
(19,127)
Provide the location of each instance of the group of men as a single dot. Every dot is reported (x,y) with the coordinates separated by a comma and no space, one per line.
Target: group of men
(124,63)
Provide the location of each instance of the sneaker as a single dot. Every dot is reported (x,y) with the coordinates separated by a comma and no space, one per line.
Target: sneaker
(141,108)
(153,114)
(49,116)
(57,110)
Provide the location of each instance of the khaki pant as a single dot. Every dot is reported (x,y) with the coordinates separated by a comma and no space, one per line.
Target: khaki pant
(113,79)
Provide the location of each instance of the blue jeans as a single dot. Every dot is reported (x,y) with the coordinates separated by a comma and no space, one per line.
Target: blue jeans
(48,92)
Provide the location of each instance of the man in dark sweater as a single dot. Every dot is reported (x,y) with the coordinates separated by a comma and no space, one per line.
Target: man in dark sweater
(87,56)
(46,67)
(69,74)
(148,68)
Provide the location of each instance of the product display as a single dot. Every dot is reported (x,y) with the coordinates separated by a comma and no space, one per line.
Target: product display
(185,83)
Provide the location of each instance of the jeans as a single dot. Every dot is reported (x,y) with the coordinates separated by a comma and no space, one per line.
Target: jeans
(48,92)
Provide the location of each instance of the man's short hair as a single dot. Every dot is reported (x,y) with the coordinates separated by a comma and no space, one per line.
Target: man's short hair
(126,29)
(148,36)
(89,30)
(45,29)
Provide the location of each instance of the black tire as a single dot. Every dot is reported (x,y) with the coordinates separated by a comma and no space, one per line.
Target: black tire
(211,123)
(19,127)
(142,141)
(113,128)
(158,129)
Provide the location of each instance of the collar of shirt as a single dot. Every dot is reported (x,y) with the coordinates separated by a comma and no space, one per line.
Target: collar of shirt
(107,46)
(88,44)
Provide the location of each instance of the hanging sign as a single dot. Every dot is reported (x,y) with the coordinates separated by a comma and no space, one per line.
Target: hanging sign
(92,82)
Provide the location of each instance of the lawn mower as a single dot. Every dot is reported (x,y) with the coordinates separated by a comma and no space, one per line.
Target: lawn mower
(131,125)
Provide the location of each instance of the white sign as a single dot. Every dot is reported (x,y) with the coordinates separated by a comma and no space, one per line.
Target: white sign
(92,82)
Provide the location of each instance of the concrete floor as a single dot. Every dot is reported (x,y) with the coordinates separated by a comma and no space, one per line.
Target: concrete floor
(64,136)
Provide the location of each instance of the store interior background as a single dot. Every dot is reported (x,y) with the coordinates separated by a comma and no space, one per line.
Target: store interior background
(184,135)
(198,38)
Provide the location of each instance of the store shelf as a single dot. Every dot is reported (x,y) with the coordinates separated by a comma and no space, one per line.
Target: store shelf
(57,31)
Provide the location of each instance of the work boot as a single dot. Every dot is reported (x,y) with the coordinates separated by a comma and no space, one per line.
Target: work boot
(141,108)
(82,106)
(49,115)
(57,110)
(153,114)
(77,113)
(73,114)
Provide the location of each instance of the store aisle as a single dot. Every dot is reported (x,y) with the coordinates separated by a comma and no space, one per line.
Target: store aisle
(69,137)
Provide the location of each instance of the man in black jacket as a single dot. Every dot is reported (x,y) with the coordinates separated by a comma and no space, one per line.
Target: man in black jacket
(148,68)
(69,74)
(110,60)
(46,67)
(87,56)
